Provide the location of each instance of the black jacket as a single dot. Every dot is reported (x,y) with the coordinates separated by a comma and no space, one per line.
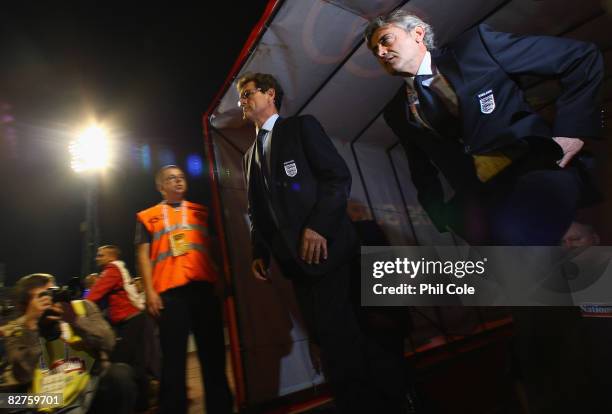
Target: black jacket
(480,61)
(309,187)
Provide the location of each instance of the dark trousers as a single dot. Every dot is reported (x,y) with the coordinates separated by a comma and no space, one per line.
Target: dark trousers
(391,375)
(331,323)
(130,349)
(115,391)
(385,329)
(192,307)
(532,203)
(353,364)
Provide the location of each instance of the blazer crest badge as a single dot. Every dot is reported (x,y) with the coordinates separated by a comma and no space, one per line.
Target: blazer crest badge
(487,102)
(290,168)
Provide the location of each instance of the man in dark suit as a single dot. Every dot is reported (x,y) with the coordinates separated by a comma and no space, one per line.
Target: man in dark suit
(298,186)
(517,181)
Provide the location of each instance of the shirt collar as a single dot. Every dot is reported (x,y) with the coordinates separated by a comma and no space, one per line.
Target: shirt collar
(269,124)
(424,69)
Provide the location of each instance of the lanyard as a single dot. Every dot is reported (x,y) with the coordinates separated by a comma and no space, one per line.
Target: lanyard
(44,350)
(183,216)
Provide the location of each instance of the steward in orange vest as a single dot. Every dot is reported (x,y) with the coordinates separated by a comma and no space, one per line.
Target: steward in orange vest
(173,250)
(186,229)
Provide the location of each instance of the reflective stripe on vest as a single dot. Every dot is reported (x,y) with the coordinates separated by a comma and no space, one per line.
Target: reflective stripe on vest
(203,229)
(168,253)
(196,264)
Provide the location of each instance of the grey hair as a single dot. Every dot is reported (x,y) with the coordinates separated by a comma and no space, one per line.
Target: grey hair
(403,20)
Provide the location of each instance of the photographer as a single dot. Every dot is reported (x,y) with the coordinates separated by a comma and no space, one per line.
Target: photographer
(55,338)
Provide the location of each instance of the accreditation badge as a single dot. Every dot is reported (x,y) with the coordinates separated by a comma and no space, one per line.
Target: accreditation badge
(178,243)
(53,382)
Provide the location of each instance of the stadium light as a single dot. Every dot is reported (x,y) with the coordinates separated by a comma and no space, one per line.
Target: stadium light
(91,150)
(90,153)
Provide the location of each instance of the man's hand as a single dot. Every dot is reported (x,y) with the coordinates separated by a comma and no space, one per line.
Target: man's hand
(313,247)
(57,312)
(154,303)
(258,268)
(570,147)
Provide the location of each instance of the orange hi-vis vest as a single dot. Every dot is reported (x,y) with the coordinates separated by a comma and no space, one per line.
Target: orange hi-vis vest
(171,271)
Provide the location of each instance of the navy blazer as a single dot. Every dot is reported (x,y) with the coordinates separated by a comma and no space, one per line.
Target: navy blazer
(482,62)
(309,187)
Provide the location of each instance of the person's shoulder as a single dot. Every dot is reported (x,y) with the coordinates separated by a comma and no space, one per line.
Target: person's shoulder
(151,210)
(89,307)
(296,120)
(308,123)
(482,27)
(286,126)
(466,43)
(484,32)
(13,328)
(195,206)
(307,118)
(111,267)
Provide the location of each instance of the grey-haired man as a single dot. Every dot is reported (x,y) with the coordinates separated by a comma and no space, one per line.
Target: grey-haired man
(517,180)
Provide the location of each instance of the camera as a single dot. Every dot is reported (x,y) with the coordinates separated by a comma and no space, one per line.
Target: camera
(66,293)
(57,294)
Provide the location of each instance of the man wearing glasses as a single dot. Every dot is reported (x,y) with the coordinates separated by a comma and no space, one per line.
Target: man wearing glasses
(298,186)
(173,251)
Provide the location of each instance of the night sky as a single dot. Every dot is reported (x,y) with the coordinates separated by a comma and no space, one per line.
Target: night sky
(146,73)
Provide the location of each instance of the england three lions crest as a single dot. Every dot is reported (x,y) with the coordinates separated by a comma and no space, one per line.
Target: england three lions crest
(487,102)
(290,168)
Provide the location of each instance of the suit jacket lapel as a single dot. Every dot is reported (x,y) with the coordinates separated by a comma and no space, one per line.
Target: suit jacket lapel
(401,110)
(277,133)
(446,62)
(250,170)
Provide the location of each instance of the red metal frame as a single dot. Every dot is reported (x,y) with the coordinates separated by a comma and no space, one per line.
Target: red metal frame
(229,303)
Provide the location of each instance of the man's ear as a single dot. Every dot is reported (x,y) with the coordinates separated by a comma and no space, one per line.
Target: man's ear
(271,92)
(419,34)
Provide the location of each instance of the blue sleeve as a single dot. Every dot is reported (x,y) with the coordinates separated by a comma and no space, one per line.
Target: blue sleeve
(578,66)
